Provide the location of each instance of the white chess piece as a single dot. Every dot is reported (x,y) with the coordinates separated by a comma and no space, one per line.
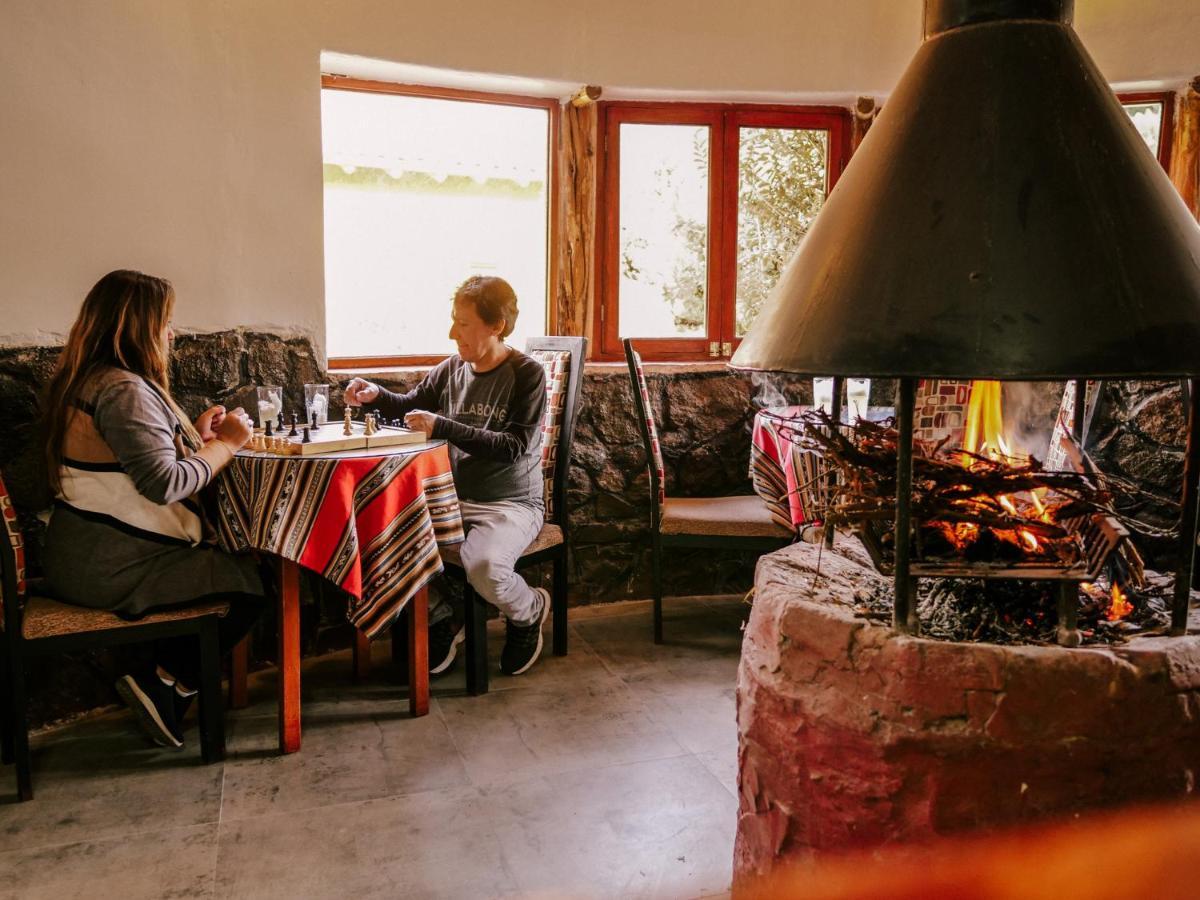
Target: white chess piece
(346,429)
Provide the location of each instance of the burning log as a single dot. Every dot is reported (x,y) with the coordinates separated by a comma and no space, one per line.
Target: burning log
(969,506)
(1039,555)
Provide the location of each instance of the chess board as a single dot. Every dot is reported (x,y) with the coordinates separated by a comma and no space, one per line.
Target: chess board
(330,438)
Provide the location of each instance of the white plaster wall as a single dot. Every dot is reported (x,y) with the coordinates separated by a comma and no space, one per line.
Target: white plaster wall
(182,137)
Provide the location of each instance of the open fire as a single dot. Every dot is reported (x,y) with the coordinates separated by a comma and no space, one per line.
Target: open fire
(991,525)
(983,507)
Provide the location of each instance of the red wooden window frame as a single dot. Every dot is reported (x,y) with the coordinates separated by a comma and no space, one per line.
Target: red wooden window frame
(1166,134)
(724,122)
(344,83)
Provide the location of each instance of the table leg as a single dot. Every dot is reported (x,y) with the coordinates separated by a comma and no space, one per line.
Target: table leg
(239,670)
(289,656)
(417,612)
(362,656)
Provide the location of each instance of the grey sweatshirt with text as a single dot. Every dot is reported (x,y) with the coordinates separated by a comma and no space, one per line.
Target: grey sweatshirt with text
(492,421)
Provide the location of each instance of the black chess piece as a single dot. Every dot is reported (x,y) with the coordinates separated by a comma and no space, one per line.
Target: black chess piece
(306,439)
(294,432)
(315,426)
(267,428)
(281,423)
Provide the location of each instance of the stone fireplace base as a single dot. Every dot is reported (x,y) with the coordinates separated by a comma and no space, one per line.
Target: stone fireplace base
(854,736)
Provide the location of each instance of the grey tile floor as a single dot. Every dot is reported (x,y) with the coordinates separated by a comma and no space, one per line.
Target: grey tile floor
(610,772)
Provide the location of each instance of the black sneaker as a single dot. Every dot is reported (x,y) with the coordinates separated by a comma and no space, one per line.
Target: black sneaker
(444,639)
(523,643)
(153,704)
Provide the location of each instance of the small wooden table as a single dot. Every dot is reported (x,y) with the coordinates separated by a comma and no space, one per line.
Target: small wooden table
(370,521)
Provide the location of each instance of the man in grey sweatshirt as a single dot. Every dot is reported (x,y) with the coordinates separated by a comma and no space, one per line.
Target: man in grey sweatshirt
(487,403)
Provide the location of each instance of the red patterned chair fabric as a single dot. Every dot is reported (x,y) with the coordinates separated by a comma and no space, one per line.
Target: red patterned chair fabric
(655,447)
(557,364)
(15,540)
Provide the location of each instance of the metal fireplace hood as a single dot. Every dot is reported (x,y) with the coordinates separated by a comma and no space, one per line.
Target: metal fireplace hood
(1001,219)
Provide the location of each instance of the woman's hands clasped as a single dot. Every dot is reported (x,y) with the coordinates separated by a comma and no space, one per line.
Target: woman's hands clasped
(209,421)
(232,428)
(235,429)
(360,391)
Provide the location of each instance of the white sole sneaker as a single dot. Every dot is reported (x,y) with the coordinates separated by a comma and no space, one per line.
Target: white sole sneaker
(459,637)
(545,595)
(146,712)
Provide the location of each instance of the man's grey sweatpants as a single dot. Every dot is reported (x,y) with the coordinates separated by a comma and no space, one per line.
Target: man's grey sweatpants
(497,534)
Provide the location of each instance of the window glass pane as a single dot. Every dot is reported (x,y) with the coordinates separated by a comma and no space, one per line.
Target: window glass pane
(663,243)
(420,194)
(1147,119)
(781,188)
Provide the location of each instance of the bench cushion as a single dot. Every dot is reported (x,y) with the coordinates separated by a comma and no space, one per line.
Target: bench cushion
(743,516)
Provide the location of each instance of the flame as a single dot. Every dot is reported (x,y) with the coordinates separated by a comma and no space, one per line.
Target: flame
(984,435)
(1120,607)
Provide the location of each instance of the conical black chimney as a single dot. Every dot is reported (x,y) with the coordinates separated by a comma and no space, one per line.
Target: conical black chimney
(1002,219)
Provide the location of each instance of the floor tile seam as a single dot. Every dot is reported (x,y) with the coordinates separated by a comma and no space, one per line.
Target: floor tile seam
(533,776)
(732,792)
(453,741)
(391,795)
(217,838)
(106,838)
(607,664)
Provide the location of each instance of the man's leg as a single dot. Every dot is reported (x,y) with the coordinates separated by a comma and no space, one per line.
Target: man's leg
(497,534)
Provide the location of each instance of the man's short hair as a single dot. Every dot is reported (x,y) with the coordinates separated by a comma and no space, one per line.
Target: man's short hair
(494,300)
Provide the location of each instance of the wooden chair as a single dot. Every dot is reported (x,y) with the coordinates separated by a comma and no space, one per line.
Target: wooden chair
(34,625)
(730,523)
(563,359)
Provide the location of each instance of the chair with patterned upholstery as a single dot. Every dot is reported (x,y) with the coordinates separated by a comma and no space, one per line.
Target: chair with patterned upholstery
(730,523)
(33,625)
(562,358)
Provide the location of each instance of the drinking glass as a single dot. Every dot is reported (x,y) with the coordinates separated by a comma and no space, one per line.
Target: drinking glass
(858,394)
(823,394)
(270,403)
(316,402)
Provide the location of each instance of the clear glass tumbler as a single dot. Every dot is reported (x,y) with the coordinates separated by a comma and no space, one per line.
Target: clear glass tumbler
(823,394)
(270,403)
(858,395)
(316,402)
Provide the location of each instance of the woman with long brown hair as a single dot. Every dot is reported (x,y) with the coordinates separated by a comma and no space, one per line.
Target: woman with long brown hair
(125,464)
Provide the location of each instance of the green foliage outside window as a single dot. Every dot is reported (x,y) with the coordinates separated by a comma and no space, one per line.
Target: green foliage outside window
(782,175)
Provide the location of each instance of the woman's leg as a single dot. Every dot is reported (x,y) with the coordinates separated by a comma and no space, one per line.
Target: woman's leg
(178,659)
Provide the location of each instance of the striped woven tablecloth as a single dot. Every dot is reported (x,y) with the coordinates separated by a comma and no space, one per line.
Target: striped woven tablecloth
(369,521)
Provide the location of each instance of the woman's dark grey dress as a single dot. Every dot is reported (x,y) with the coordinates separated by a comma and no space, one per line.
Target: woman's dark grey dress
(128,536)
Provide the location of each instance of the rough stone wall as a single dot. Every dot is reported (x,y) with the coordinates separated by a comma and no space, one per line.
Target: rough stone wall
(1140,433)
(704,415)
